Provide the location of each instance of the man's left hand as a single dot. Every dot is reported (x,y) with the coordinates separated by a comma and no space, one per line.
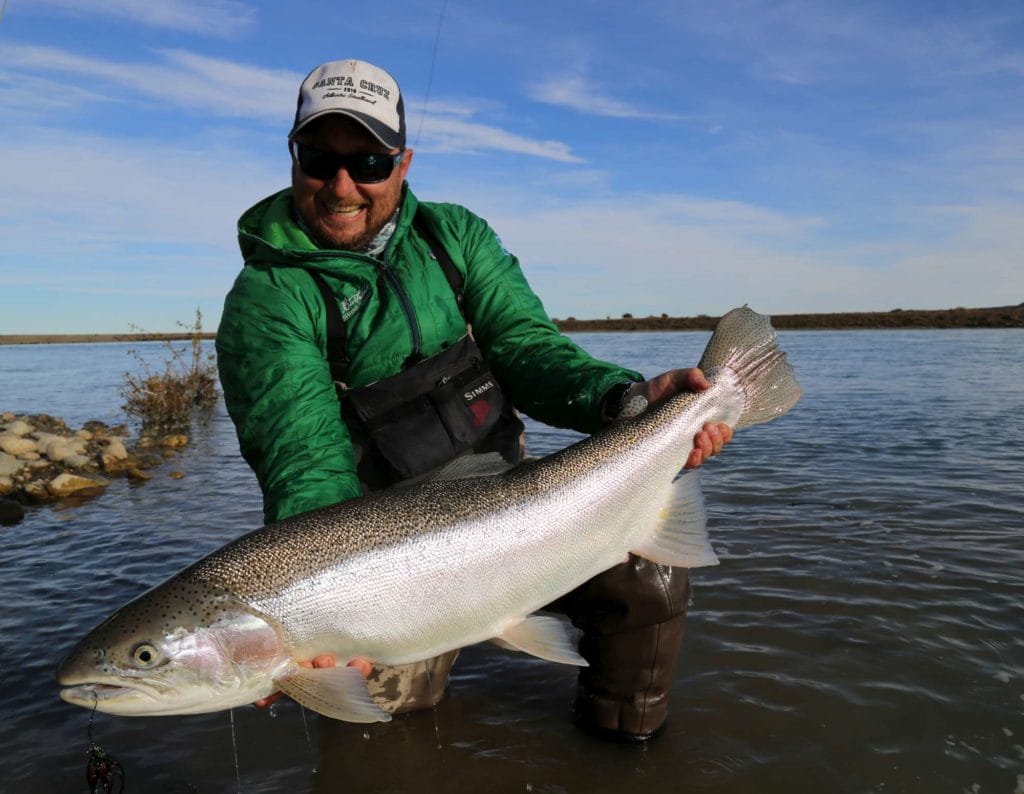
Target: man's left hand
(713,436)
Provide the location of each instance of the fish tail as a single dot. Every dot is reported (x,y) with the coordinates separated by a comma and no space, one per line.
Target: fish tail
(744,342)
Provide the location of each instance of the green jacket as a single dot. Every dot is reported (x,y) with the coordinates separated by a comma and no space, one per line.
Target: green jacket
(271,343)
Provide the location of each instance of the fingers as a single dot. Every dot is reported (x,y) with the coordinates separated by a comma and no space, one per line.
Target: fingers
(262,703)
(672,382)
(319,662)
(708,443)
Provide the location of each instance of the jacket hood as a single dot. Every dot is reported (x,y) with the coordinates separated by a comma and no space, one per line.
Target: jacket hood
(267,231)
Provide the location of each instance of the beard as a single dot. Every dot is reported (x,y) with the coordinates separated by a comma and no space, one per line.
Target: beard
(378,209)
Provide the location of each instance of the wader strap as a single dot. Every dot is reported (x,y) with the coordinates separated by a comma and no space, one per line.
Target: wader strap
(337,354)
(455,280)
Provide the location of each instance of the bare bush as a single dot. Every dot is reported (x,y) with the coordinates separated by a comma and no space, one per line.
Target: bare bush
(168,401)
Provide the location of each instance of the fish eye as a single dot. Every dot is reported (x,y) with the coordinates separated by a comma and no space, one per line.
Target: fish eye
(145,655)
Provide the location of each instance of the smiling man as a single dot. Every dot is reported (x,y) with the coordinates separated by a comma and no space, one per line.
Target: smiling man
(372,339)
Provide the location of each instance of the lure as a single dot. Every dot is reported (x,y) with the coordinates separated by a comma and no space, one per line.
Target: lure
(103,772)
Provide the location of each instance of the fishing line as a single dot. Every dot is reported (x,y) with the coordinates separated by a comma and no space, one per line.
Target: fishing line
(103,772)
(305,726)
(433,709)
(234,749)
(430,74)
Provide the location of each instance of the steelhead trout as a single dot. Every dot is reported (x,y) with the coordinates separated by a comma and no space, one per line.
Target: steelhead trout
(405,574)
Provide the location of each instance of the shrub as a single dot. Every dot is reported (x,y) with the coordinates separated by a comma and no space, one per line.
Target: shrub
(167,401)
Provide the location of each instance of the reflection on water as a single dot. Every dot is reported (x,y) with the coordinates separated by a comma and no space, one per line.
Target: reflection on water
(863,632)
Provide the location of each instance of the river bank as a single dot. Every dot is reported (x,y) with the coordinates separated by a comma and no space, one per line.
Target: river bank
(993,317)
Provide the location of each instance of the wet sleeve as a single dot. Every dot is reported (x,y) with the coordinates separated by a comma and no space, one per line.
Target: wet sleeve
(550,377)
(279,393)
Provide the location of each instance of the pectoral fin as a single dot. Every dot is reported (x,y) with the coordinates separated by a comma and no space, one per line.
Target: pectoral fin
(681,538)
(544,636)
(336,692)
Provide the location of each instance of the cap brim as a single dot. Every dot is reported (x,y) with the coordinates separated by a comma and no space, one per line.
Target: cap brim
(383,133)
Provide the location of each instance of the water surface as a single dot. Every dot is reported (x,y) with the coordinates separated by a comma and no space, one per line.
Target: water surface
(862,633)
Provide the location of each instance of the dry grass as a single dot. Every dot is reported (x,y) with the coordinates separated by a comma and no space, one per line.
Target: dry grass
(168,401)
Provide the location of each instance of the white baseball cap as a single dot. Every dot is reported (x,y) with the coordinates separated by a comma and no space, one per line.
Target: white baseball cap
(359,90)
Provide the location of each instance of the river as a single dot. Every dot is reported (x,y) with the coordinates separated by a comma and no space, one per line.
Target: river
(864,631)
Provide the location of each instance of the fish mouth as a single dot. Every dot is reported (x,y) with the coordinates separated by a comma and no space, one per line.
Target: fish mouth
(90,694)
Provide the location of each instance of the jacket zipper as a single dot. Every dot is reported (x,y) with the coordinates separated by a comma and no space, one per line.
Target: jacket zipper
(410,315)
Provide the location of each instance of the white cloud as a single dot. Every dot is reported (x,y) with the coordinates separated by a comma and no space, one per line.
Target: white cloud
(183,79)
(688,255)
(448,134)
(577,92)
(221,18)
(228,89)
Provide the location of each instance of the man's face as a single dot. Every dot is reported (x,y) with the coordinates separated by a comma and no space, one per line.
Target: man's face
(341,213)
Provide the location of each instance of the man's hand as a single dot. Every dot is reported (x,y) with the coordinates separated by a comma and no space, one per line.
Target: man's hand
(323,660)
(712,437)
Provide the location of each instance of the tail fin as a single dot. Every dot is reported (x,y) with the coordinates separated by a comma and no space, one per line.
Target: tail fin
(744,342)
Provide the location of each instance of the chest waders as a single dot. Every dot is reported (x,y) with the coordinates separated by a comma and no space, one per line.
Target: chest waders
(409,424)
(437,408)
(450,404)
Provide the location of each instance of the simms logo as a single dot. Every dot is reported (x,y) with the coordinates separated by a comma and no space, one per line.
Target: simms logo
(472,394)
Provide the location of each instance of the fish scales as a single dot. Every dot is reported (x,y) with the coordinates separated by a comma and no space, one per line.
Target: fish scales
(405,574)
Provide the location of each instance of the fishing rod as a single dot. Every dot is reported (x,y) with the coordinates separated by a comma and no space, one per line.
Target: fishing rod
(430,74)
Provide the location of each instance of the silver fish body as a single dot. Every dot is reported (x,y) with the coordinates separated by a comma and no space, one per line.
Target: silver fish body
(405,574)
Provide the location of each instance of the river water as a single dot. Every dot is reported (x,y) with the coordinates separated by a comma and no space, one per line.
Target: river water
(864,631)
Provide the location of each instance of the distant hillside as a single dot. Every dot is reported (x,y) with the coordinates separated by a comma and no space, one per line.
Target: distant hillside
(997,317)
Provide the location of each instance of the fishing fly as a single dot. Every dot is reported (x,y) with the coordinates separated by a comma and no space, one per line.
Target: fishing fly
(103,772)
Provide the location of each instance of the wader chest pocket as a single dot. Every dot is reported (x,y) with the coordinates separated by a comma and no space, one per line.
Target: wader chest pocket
(425,416)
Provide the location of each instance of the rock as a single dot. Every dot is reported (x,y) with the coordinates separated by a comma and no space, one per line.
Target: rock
(149,460)
(16,445)
(67,484)
(10,513)
(59,448)
(19,427)
(6,486)
(76,461)
(10,465)
(114,457)
(137,474)
(47,424)
(85,435)
(115,449)
(176,475)
(36,491)
(174,440)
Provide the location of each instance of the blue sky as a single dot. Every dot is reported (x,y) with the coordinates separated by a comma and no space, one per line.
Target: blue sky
(656,156)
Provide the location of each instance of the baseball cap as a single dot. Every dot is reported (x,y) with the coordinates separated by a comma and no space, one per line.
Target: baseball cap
(356,89)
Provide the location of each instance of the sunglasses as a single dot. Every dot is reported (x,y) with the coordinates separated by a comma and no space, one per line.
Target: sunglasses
(363,167)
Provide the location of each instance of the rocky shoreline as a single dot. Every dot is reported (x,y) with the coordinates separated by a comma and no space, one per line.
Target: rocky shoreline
(42,460)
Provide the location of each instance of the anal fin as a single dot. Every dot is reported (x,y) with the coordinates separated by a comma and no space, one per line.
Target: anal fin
(337,692)
(544,636)
(681,538)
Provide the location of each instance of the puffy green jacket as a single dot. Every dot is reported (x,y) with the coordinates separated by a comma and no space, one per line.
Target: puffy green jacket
(271,343)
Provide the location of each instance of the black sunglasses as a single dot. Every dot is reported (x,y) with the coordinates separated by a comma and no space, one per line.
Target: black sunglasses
(364,167)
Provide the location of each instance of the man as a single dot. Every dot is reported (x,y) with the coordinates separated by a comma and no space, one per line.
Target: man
(371,339)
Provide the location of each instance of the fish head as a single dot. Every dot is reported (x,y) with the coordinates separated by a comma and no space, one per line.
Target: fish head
(180,648)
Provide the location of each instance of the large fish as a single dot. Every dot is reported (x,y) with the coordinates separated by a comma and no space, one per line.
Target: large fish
(402,575)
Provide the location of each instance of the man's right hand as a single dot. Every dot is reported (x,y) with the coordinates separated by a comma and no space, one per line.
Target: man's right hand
(323,660)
